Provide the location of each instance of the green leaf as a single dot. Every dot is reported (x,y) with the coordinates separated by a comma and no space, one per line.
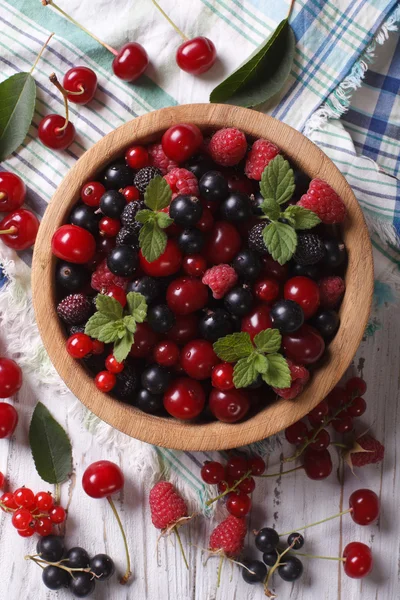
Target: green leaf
(271,208)
(278,374)
(50,446)
(245,372)
(109,332)
(268,341)
(163,220)
(123,346)
(281,241)
(109,306)
(260,363)
(130,323)
(277,180)
(303,218)
(263,74)
(17,105)
(152,240)
(137,306)
(144,215)
(233,347)
(95,324)
(158,194)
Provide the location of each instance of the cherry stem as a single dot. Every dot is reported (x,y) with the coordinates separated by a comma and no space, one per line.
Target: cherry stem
(323,557)
(290,9)
(128,571)
(283,472)
(229,489)
(338,445)
(221,562)
(345,512)
(2,196)
(54,81)
(178,537)
(67,16)
(10,231)
(276,565)
(183,36)
(40,53)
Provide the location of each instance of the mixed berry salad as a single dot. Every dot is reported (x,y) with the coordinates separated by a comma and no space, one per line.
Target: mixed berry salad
(200,276)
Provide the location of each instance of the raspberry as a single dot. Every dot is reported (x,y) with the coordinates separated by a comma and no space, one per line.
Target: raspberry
(366,451)
(261,153)
(182,181)
(130,211)
(300,376)
(310,249)
(126,384)
(102,278)
(144,176)
(229,536)
(228,146)
(166,505)
(331,290)
(160,160)
(324,201)
(74,309)
(256,241)
(220,279)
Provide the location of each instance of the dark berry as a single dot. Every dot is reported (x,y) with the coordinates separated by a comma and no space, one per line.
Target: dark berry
(239,301)
(335,253)
(129,213)
(50,548)
(254,571)
(256,384)
(311,271)
(191,241)
(82,584)
(112,203)
(123,261)
(213,186)
(55,578)
(118,175)
(76,329)
(256,241)
(129,236)
(186,210)
(85,217)
(302,181)
(287,316)
(74,309)
(236,207)
(267,540)
(270,558)
(291,568)
(151,404)
(155,379)
(297,540)
(71,277)
(255,201)
(126,384)
(327,322)
(215,324)
(149,287)
(310,249)
(199,165)
(144,176)
(247,264)
(102,566)
(160,318)
(77,558)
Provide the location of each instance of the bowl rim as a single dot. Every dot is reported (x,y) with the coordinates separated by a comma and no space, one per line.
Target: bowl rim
(354,312)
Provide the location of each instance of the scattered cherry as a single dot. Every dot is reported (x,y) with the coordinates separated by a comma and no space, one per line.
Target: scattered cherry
(184,398)
(305,292)
(167,264)
(109,227)
(116,292)
(8,420)
(305,346)
(131,62)
(229,406)
(238,504)
(102,478)
(18,229)
(222,376)
(144,341)
(194,265)
(257,320)
(52,133)
(73,244)
(166,353)
(181,141)
(91,193)
(82,81)
(266,290)
(212,472)
(12,192)
(79,345)
(131,193)
(184,329)
(365,506)
(223,243)
(317,464)
(10,377)
(105,381)
(137,157)
(186,295)
(198,359)
(196,56)
(359,562)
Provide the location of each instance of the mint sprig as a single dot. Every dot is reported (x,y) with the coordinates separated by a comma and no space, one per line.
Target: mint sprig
(277,186)
(152,238)
(111,325)
(253,358)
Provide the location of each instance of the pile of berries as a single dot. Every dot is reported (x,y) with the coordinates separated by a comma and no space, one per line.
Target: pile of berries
(32,513)
(18,229)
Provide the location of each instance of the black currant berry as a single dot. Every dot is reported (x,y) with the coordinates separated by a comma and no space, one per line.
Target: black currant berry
(270,558)
(215,324)
(82,584)
(112,203)
(147,286)
(297,540)
(267,540)
(155,379)
(302,181)
(311,271)
(247,264)
(50,548)
(71,277)
(254,571)
(122,261)
(256,384)
(291,568)
(191,241)
(84,216)
(103,566)
(199,165)
(213,186)
(77,558)
(118,175)
(160,318)
(55,578)
(236,207)
(238,301)
(255,201)
(327,322)
(335,254)
(287,316)
(186,210)
(151,404)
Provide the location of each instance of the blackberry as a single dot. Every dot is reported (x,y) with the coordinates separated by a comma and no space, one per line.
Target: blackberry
(74,309)
(76,329)
(126,384)
(128,236)
(256,241)
(129,213)
(310,249)
(144,176)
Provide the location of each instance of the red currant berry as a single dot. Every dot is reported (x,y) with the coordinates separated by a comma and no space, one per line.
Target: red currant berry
(359,561)
(8,500)
(357,408)
(10,377)
(196,56)
(144,341)
(44,526)
(137,157)
(319,412)
(257,320)
(198,359)
(228,482)
(82,81)
(212,472)
(52,134)
(12,192)
(206,221)
(184,399)
(184,329)
(194,265)
(102,478)
(22,519)
(109,227)
(91,193)
(322,440)
(229,406)
(236,467)
(97,347)
(18,230)
(116,292)
(131,193)
(238,504)
(273,269)
(186,295)
(105,381)
(336,398)
(73,244)
(343,425)
(223,244)
(113,365)
(2,479)
(356,386)
(247,486)
(305,346)
(79,345)
(266,290)
(27,533)
(166,353)
(44,501)
(317,465)
(167,264)
(365,507)
(305,292)
(24,497)
(131,62)
(8,420)
(296,433)
(57,514)
(256,465)
(222,376)
(181,141)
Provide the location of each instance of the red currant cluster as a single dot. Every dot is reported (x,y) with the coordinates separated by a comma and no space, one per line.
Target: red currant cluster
(18,229)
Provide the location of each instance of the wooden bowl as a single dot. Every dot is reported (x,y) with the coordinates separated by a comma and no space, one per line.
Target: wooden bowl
(354,311)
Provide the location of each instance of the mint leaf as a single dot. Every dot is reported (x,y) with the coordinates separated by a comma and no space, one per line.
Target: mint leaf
(163,220)
(260,363)
(144,215)
(95,323)
(281,241)
(233,347)
(152,240)
(278,374)
(303,218)
(123,346)
(158,194)
(268,341)
(277,180)
(271,208)
(109,307)
(245,372)
(108,333)
(137,306)
(130,323)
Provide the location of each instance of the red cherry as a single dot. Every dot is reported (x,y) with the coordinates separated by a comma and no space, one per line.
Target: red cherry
(79,345)
(24,497)
(131,193)
(44,501)
(296,433)
(8,500)
(2,480)
(305,292)
(97,347)
(305,346)
(116,292)
(10,377)
(240,183)
(52,134)
(238,504)
(113,365)
(184,399)
(166,353)
(317,415)
(273,269)
(223,243)
(130,62)
(44,526)
(266,290)
(365,507)
(227,482)
(236,467)
(359,561)
(22,519)
(222,376)
(206,222)
(167,264)
(181,141)
(18,229)
(8,420)
(322,440)
(102,478)
(92,192)
(57,514)
(247,486)
(343,425)
(105,381)
(144,340)
(229,406)
(184,329)
(256,465)
(198,359)
(186,295)
(109,227)
(83,80)
(104,246)
(357,408)
(73,244)
(137,157)
(196,56)
(317,465)
(194,265)
(356,386)
(12,192)
(212,472)
(257,320)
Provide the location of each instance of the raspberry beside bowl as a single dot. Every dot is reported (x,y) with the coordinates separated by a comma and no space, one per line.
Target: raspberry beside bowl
(354,311)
